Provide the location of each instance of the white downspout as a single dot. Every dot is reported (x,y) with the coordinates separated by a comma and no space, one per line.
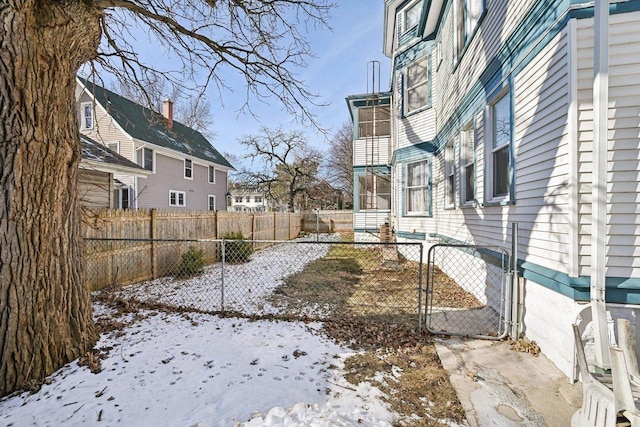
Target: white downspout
(599,182)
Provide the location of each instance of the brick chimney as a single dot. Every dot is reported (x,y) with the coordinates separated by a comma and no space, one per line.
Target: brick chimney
(167,112)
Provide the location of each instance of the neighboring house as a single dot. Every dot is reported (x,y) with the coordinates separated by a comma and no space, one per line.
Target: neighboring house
(492,124)
(243,200)
(186,170)
(98,166)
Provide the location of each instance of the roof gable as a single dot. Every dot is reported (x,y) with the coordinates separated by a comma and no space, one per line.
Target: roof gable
(146,125)
(93,151)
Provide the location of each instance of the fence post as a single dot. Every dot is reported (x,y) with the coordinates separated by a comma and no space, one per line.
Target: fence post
(216,223)
(275,226)
(154,253)
(253,226)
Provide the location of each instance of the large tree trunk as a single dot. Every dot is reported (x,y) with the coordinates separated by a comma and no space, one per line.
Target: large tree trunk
(45,306)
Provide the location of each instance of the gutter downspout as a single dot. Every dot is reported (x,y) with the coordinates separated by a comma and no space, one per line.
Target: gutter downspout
(599,182)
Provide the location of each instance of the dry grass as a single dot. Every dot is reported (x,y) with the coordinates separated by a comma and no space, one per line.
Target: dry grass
(374,308)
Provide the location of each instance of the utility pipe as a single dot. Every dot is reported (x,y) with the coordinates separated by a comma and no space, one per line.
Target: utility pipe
(599,182)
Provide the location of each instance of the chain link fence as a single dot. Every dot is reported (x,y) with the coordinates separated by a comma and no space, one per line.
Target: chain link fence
(468,292)
(317,278)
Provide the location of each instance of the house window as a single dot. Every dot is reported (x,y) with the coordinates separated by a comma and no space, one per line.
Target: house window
(188,169)
(466,19)
(468,162)
(86,109)
(450,175)
(499,157)
(212,175)
(416,191)
(409,18)
(114,146)
(258,199)
(145,158)
(374,192)
(238,199)
(374,121)
(124,198)
(417,84)
(177,198)
(212,202)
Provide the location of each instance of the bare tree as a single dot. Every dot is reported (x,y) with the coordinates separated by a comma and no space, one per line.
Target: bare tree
(289,165)
(45,306)
(339,162)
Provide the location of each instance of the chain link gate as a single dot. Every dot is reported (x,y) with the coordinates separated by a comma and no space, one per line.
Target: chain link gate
(468,291)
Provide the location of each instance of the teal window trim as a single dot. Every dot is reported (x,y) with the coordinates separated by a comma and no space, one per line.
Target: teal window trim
(404,107)
(472,127)
(458,56)
(403,195)
(506,91)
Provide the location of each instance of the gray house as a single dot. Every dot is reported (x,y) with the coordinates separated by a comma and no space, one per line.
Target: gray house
(186,171)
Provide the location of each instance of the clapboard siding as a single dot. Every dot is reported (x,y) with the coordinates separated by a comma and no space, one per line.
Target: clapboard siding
(371,151)
(623,186)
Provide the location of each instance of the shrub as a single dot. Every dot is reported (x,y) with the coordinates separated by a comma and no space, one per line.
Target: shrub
(192,262)
(237,249)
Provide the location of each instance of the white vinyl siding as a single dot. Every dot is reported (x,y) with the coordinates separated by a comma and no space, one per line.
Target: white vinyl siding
(623,170)
(371,151)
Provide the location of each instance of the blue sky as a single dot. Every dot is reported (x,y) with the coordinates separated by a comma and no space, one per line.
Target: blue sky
(338,69)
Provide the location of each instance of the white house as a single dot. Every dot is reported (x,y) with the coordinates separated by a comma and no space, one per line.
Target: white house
(492,123)
(186,171)
(244,200)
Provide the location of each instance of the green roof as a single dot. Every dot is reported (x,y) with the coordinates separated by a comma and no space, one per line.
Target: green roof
(147,125)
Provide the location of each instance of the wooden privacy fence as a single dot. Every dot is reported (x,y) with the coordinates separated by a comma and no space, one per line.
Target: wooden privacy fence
(150,241)
(327,221)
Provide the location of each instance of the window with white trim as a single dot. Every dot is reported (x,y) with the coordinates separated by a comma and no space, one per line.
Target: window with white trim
(114,146)
(124,198)
(145,158)
(86,112)
(238,199)
(467,15)
(416,90)
(449,175)
(499,168)
(416,191)
(212,175)
(258,199)
(188,169)
(468,165)
(212,202)
(177,198)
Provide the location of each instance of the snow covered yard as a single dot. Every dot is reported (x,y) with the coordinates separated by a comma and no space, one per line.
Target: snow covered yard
(169,369)
(162,368)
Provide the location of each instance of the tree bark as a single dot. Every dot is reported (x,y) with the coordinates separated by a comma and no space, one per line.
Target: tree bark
(45,306)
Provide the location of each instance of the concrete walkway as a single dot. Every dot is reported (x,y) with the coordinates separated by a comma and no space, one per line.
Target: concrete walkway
(498,386)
